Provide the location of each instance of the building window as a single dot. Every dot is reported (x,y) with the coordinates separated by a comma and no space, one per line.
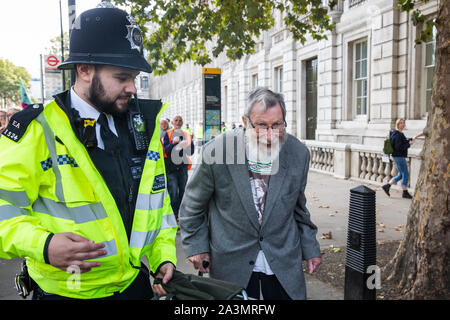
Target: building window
(254,80)
(279,79)
(360,78)
(144,82)
(237,97)
(429,49)
(353,3)
(278,37)
(225,103)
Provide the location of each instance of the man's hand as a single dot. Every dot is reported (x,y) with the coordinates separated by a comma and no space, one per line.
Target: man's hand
(175,140)
(165,273)
(69,249)
(313,264)
(197,261)
(183,144)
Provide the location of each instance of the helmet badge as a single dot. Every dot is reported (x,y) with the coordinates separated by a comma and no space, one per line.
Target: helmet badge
(134,35)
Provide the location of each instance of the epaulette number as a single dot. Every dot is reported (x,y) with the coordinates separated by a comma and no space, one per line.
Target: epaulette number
(11,135)
(19,122)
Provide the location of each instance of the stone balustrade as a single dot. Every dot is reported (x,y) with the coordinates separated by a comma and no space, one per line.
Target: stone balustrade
(359,162)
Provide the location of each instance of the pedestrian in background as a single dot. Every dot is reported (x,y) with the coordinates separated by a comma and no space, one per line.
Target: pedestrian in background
(246,213)
(188,129)
(400,144)
(178,148)
(3,120)
(224,128)
(164,126)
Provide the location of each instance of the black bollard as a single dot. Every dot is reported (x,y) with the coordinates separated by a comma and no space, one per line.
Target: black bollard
(361,245)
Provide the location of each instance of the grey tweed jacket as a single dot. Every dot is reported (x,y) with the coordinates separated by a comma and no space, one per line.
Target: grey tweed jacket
(218,215)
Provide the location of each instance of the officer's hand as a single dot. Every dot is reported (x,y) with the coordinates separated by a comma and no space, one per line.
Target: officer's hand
(197,261)
(68,249)
(165,273)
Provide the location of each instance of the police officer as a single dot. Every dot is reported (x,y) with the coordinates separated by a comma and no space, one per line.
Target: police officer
(82,182)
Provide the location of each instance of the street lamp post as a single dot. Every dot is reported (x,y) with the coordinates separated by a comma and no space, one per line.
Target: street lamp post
(62,47)
(72,15)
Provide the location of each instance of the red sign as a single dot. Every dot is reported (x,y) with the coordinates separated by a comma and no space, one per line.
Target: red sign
(51,62)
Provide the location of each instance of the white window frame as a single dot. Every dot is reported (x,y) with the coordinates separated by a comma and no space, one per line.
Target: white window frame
(225,103)
(278,79)
(426,69)
(355,81)
(254,79)
(144,80)
(238,89)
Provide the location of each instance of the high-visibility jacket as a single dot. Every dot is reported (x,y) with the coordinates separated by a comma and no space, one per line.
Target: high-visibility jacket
(49,184)
(187,138)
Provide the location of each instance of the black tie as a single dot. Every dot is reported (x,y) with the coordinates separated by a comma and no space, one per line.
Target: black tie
(110,140)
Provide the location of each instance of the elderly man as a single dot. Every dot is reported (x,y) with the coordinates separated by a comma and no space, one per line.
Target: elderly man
(244,207)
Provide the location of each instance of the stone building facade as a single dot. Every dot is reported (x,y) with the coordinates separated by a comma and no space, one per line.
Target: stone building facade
(346,91)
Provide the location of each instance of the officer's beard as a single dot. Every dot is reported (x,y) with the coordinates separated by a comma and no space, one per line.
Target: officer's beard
(102,103)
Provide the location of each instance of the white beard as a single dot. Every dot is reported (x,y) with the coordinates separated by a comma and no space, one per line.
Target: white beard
(258,149)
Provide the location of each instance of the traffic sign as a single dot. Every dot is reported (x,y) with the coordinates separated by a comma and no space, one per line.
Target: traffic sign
(51,62)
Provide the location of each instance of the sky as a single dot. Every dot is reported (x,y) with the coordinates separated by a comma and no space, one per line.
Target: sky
(27,26)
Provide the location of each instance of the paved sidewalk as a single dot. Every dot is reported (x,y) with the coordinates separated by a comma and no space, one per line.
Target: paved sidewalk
(327,201)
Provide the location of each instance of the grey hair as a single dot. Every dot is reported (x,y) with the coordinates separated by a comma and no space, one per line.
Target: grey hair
(268,99)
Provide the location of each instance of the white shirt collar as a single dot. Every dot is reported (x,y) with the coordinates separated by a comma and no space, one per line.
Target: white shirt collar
(87,111)
(84,109)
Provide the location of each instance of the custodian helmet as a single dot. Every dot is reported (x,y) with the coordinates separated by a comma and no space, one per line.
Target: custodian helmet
(106,36)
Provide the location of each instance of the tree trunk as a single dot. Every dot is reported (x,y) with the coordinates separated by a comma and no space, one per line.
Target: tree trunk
(421,265)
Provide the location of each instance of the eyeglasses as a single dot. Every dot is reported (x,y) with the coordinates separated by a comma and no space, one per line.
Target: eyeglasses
(263,126)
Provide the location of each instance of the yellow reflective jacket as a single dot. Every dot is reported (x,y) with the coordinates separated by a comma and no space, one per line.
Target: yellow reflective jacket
(48,184)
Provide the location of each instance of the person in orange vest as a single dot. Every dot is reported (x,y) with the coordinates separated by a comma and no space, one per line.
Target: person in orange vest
(178,147)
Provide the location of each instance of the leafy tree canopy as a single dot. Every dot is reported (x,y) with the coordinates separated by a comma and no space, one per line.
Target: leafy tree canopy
(182,30)
(10,78)
(55,45)
(418,18)
(197,30)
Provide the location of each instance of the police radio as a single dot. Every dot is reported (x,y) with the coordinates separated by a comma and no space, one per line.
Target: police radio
(136,124)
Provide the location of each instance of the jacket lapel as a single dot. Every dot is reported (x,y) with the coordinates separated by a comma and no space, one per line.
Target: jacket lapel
(276,182)
(241,179)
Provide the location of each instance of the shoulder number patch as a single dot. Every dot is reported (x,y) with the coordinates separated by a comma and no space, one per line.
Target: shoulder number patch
(159,183)
(20,121)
